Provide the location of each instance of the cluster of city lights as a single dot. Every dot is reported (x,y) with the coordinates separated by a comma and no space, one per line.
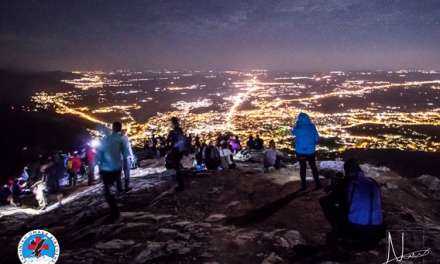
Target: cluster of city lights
(260,104)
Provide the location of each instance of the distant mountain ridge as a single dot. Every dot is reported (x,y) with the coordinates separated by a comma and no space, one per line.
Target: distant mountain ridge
(16,86)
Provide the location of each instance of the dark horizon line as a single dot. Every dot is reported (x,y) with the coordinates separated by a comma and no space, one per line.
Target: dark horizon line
(214,69)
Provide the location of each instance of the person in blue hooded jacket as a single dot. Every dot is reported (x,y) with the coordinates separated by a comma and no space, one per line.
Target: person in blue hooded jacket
(306,139)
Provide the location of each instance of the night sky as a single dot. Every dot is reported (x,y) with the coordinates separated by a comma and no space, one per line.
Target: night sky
(300,35)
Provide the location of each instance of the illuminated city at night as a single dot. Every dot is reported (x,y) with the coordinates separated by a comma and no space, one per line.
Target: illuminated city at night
(374,109)
(220,132)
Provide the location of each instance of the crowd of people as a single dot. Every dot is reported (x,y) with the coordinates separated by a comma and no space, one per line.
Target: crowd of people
(43,176)
(56,173)
(352,204)
(211,155)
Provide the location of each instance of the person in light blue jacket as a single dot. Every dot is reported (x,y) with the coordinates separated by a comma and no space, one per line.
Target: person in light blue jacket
(111,152)
(127,163)
(306,138)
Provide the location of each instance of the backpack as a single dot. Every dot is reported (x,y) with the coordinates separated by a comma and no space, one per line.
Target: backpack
(364,202)
(181,143)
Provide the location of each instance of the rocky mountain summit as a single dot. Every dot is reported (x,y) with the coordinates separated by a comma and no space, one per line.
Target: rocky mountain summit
(233,216)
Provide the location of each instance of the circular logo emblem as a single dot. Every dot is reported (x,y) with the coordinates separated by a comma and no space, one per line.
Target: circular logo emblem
(38,246)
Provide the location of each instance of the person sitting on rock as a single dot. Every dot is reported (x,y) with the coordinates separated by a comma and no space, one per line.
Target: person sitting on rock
(234,143)
(250,143)
(258,143)
(271,157)
(226,158)
(354,206)
(306,138)
(199,161)
(212,157)
(364,204)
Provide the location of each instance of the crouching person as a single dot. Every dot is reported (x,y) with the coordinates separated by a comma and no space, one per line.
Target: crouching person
(354,207)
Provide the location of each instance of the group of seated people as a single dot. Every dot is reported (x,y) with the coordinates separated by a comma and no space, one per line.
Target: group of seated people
(219,154)
(43,175)
(255,143)
(155,147)
(214,157)
(11,191)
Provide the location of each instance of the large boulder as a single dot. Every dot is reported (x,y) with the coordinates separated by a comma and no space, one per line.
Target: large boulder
(430,182)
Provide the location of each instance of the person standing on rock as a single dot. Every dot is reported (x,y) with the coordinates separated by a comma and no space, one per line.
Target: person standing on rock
(75,168)
(127,163)
(90,155)
(177,145)
(306,139)
(110,154)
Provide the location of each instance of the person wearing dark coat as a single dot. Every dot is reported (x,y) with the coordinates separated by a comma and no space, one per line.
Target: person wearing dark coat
(212,157)
(176,150)
(258,143)
(250,143)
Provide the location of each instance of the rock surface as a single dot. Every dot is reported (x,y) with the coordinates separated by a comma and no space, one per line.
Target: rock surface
(236,216)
